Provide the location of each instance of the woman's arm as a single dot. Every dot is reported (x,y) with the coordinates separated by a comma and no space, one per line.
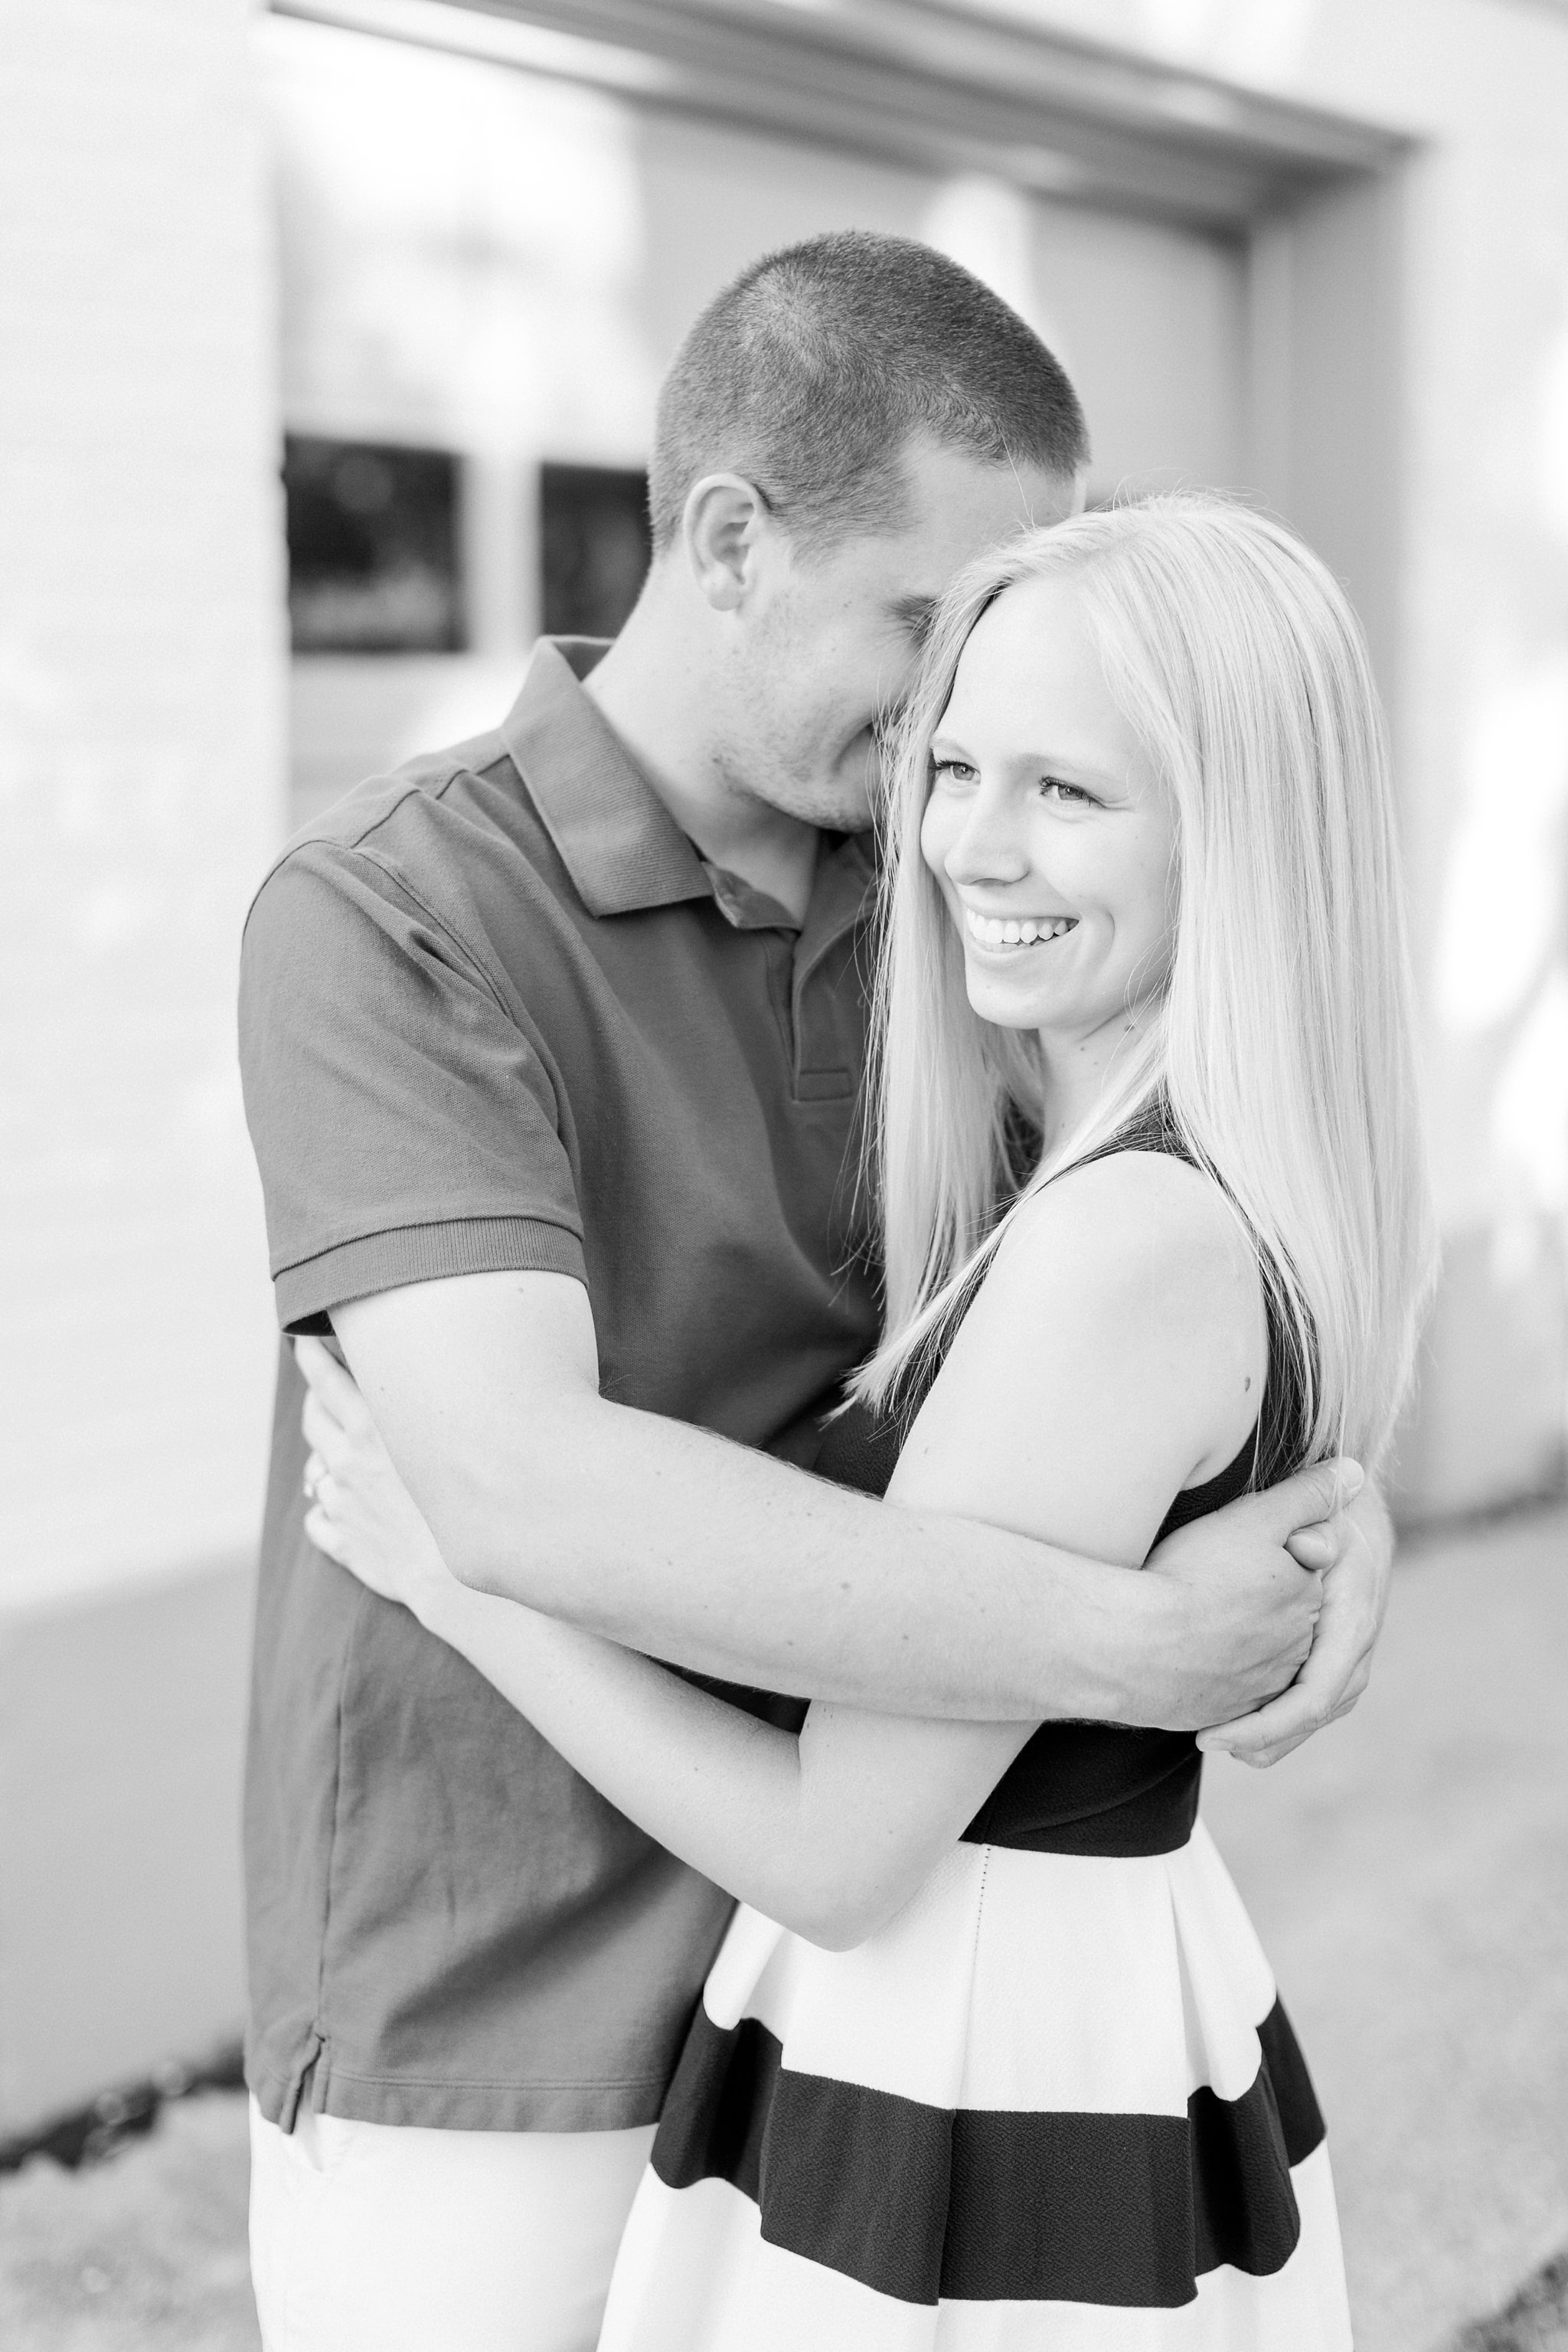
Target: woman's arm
(762,1813)
(1114,1354)
(756,1810)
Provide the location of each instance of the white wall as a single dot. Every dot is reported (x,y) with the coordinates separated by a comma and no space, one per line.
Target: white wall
(140,715)
(141,788)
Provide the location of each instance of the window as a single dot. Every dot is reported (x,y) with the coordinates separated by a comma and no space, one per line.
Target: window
(596,547)
(373,564)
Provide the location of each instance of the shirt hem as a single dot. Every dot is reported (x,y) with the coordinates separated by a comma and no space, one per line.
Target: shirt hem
(619,2105)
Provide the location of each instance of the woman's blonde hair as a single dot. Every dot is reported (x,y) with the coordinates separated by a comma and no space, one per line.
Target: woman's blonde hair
(1280,1050)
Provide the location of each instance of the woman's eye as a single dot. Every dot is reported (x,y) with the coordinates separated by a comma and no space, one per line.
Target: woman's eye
(953,771)
(1064,793)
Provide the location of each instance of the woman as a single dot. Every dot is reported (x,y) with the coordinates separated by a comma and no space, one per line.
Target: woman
(990,2055)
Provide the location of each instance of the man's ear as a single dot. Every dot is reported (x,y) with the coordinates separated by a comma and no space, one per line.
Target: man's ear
(723,520)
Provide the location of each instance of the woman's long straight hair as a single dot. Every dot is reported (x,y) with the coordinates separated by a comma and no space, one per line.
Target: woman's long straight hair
(1281,1048)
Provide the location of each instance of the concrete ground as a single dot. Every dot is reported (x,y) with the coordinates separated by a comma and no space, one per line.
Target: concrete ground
(144,2253)
(1409,1874)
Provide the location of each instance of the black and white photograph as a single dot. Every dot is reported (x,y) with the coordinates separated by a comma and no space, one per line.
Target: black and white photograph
(783,842)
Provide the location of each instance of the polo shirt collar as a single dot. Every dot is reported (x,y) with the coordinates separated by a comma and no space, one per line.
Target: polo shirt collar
(616,838)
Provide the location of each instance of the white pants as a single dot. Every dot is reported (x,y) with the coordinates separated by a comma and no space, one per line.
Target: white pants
(383,2238)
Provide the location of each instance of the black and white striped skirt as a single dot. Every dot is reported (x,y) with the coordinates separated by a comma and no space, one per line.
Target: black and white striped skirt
(1055,2103)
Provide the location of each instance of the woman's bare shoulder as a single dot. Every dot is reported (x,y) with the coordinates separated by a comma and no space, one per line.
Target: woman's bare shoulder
(1144,1220)
(1123,1309)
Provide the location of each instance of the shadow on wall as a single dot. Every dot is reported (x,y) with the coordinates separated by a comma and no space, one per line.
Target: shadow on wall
(122,1729)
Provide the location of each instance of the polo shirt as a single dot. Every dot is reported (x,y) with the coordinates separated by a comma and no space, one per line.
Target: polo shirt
(496,1011)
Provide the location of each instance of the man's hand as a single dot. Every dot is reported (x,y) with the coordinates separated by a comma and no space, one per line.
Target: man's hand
(1355,1598)
(1250,1609)
(360,1514)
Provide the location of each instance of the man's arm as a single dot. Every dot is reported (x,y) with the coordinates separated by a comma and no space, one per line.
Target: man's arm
(672,1541)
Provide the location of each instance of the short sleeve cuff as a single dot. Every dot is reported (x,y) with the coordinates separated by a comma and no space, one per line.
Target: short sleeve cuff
(307,1292)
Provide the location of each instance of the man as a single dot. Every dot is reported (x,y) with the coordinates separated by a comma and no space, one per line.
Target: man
(551,1048)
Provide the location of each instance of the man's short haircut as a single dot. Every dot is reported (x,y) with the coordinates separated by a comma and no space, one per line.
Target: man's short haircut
(812,373)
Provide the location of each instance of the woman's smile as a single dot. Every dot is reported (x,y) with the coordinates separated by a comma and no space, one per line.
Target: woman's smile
(1005,932)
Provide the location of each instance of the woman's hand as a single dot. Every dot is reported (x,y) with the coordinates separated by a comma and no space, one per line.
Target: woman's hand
(361,1515)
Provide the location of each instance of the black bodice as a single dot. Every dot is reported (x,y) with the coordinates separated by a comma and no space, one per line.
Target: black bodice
(1091,1788)
(1075,1788)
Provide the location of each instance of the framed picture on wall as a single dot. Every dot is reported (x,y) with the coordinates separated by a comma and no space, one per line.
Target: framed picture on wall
(374,555)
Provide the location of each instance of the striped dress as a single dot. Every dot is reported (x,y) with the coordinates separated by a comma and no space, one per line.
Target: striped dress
(1055,2103)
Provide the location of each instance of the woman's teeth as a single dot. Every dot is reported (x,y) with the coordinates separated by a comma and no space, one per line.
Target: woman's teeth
(1027,932)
